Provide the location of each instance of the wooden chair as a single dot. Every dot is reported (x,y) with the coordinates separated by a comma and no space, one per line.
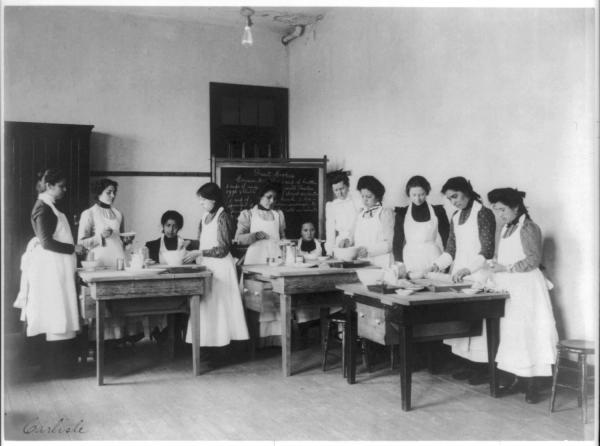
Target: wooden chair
(582,349)
(338,320)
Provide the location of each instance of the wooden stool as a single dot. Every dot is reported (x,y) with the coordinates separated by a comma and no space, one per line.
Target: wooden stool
(582,349)
(339,320)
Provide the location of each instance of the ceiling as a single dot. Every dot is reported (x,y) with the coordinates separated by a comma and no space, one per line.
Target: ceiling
(276,19)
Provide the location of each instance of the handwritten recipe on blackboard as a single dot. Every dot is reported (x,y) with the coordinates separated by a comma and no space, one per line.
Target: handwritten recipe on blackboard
(300,192)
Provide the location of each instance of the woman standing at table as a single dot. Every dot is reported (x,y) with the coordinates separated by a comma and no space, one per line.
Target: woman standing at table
(100,227)
(50,302)
(221,312)
(528,334)
(340,214)
(374,231)
(262,227)
(470,244)
(421,230)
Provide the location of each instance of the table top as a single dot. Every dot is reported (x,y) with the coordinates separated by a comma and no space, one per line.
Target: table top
(420,297)
(111,275)
(294,271)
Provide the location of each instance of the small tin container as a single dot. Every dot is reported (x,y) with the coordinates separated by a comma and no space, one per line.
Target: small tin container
(120,264)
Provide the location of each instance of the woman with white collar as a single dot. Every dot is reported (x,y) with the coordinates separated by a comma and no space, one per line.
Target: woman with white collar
(374,231)
(528,334)
(421,230)
(51,304)
(262,227)
(171,223)
(340,214)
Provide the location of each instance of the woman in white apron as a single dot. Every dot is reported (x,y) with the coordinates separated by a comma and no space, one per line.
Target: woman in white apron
(340,214)
(528,334)
(470,245)
(100,227)
(261,227)
(221,311)
(374,231)
(421,230)
(50,303)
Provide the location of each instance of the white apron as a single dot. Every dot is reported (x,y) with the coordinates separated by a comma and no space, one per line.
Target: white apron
(468,247)
(222,316)
(52,302)
(423,242)
(528,334)
(163,248)
(107,255)
(257,254)
(367,233)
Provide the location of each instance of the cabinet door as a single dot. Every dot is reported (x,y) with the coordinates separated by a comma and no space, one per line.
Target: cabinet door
(29,148)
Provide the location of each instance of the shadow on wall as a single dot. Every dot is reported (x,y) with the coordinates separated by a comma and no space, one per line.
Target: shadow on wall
(103,143)
(549,270)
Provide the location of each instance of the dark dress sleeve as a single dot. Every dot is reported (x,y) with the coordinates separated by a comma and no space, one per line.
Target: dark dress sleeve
(153,248)
(44,224)
(486,222)
(399,237)
(531,239)
(451,244)
(443,223)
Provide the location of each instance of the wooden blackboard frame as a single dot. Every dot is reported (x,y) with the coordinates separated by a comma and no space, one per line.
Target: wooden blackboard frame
(217,164)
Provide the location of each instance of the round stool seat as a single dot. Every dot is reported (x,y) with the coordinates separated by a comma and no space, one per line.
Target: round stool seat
(576,346)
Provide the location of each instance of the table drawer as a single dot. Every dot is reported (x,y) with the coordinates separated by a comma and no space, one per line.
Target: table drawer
(374,324)
(259,296)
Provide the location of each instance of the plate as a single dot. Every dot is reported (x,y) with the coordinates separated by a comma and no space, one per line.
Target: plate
(302,265)
(471,291)
(323,258)
(404,292)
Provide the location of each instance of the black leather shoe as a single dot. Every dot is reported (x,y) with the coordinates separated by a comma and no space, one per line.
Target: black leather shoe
(531,394)
(514,387)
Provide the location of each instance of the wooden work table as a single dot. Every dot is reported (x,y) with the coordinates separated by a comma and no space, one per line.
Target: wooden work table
(281,288)
(131,294)
(423,316)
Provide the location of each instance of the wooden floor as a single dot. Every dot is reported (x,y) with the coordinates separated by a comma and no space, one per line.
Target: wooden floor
(148,397)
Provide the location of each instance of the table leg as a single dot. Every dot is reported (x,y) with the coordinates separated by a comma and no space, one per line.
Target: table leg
(405,365)
(171,335)
(286,333)
(323,313)
(350,335)
(195,323)
(493,339)
(100,304)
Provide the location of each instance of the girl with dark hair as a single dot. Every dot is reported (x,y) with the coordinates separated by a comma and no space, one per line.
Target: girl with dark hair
(171,222)
(221,311)
(99,231)
(421,230)
(48,296)
(340,214)
(470,244)
(527,344)
(101,224)
(262,227)
(374,231)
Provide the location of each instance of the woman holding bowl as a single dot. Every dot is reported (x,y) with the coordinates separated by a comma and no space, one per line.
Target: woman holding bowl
(221,311)
(470,245)
(49,303)
(100,228)
(528,334)
(421,229)
(262,227)
(374,231)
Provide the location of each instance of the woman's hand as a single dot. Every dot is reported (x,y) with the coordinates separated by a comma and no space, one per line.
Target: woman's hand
(362,252)
(191,256)
(80,250)
(496,267)
(260,235)
(107,232)
(344,243)
(434,268)
(459,275)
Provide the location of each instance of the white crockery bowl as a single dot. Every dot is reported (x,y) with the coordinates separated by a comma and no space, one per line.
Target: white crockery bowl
(345,254)
(369,276)
(174,258)
(90,265)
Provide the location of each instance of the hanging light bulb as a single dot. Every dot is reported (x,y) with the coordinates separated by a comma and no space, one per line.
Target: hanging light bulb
(247,39)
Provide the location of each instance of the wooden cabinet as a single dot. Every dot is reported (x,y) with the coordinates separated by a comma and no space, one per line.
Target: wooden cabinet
(30,147)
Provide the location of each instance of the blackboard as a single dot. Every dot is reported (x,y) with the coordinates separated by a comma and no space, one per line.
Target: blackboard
(302,181)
